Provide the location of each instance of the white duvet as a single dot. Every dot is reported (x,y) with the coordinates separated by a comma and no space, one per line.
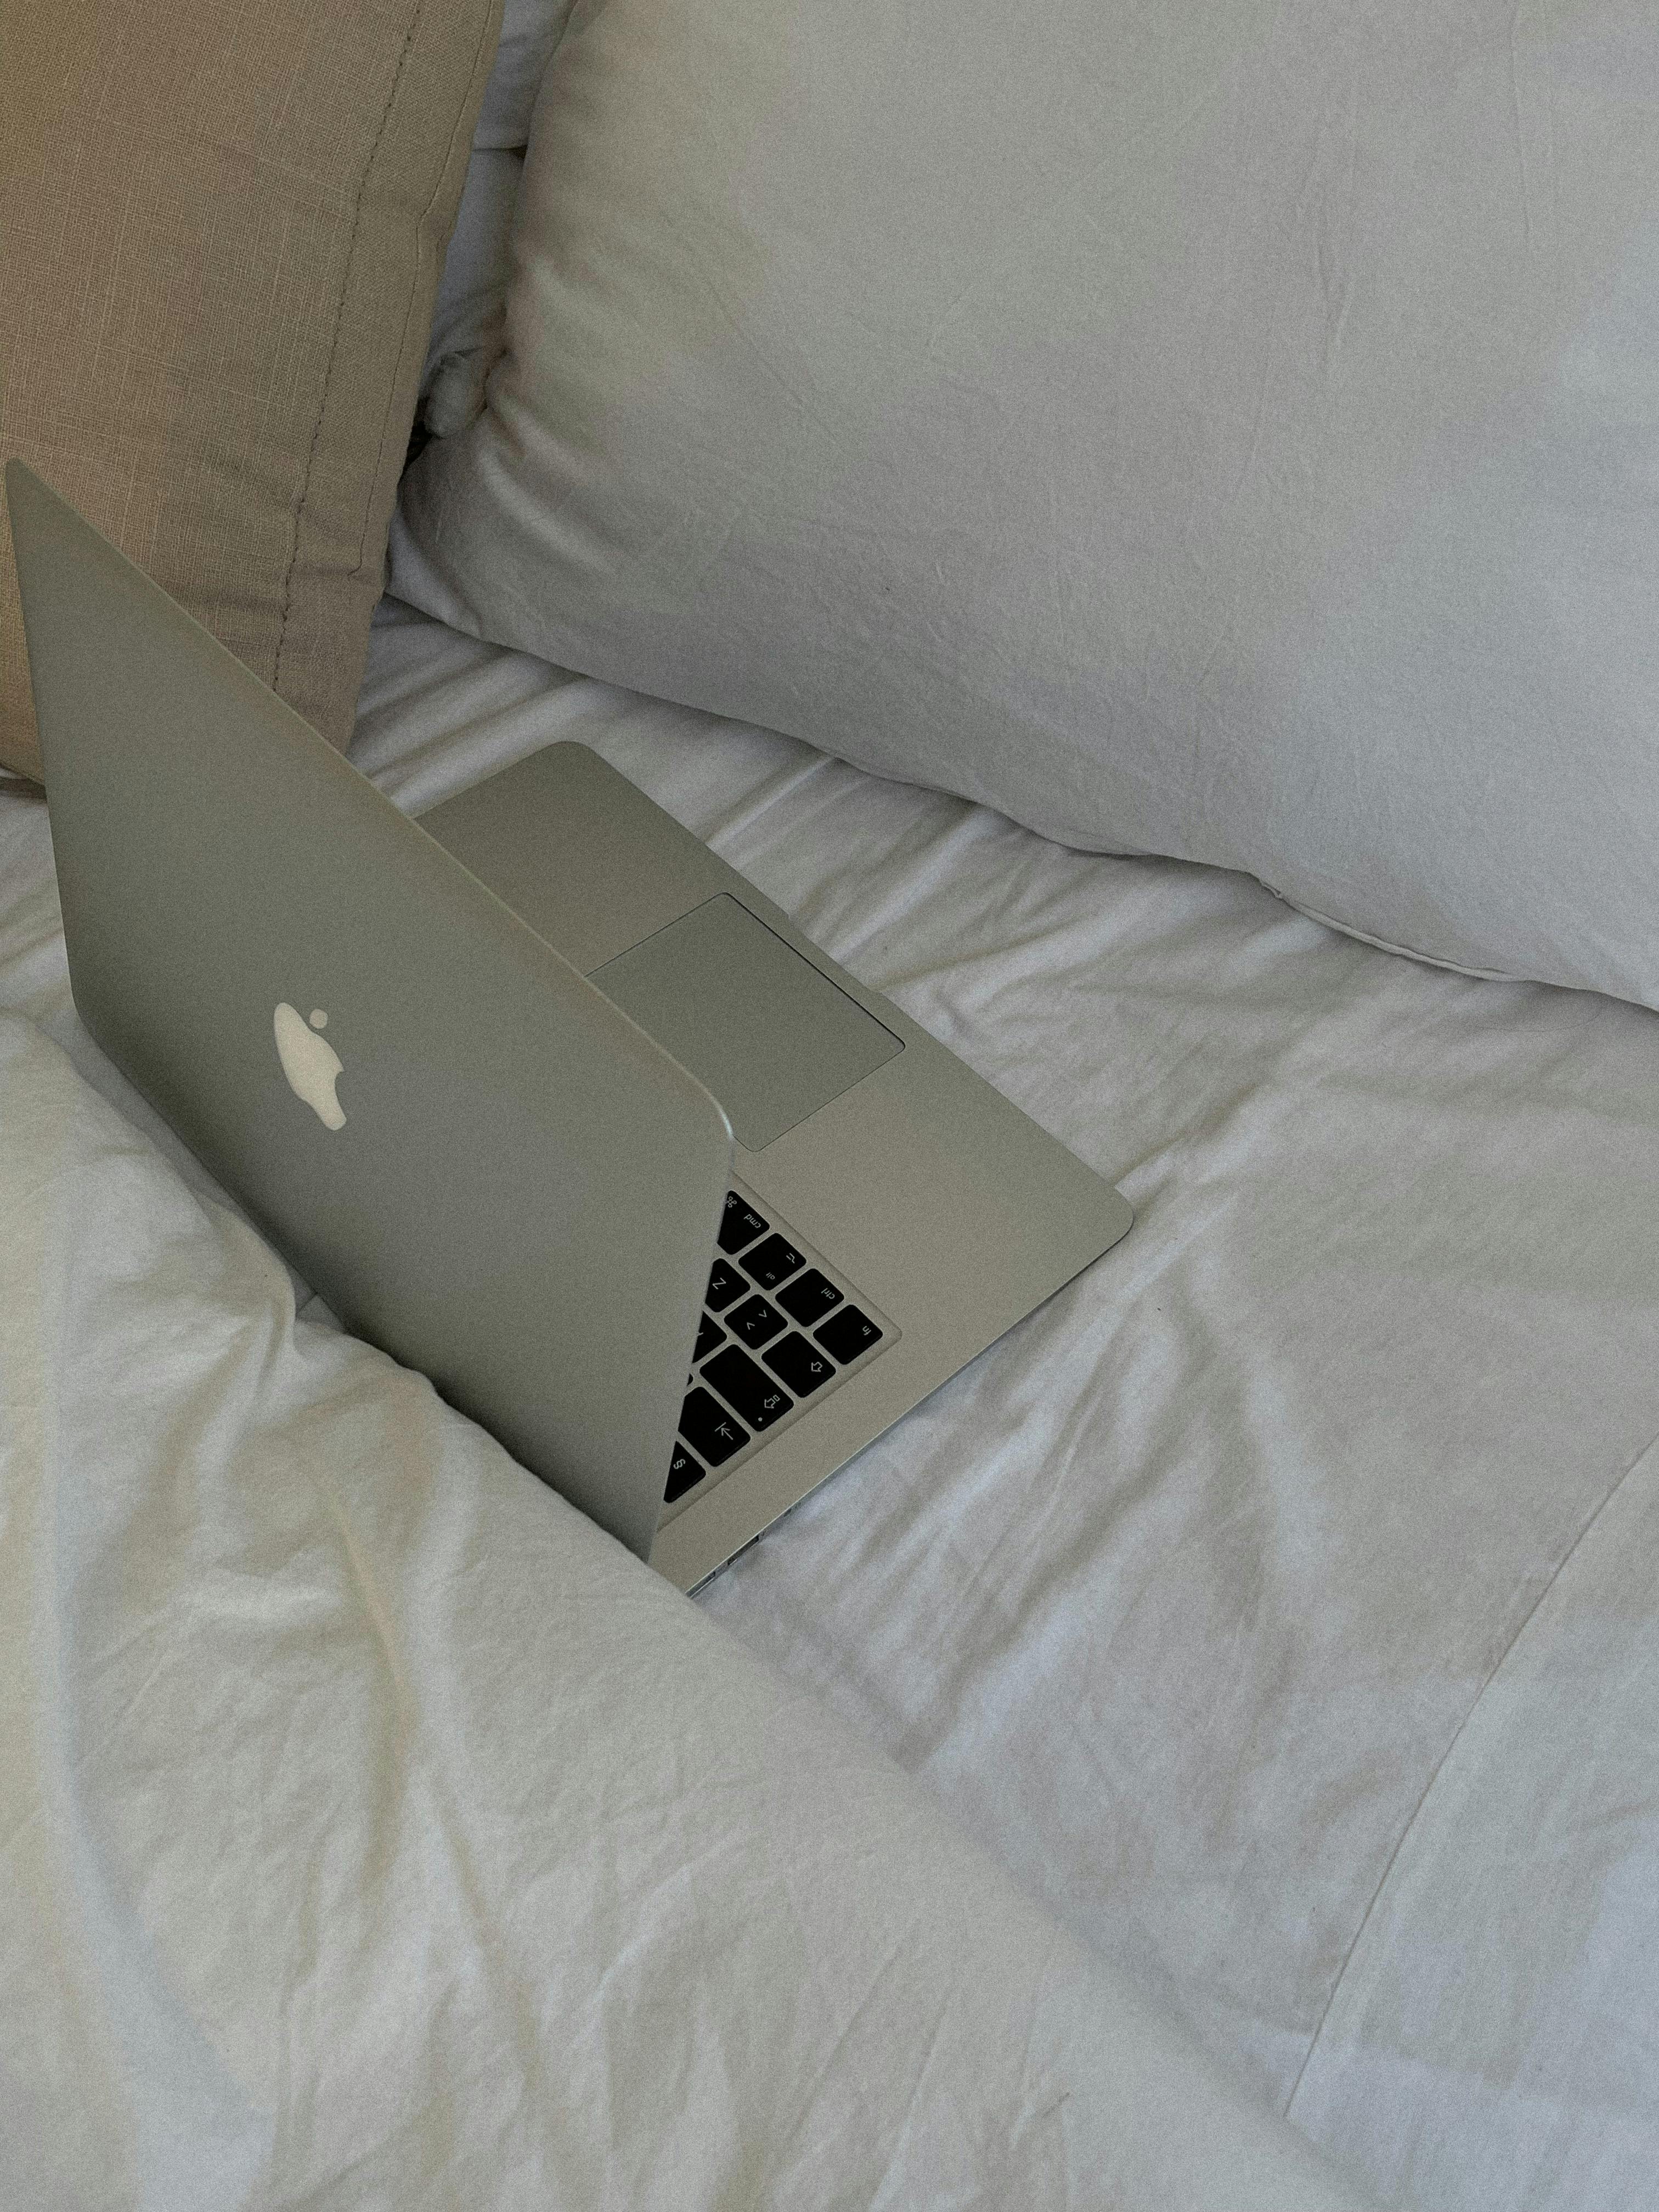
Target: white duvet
(379,1832)
(1276,1606)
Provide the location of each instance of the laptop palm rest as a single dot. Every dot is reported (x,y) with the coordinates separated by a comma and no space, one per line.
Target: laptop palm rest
(648,915)
(771,1034)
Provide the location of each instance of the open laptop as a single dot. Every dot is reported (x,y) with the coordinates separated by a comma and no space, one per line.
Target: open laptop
(542,1098)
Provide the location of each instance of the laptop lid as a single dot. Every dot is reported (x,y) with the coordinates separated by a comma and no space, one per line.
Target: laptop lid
(482,1164)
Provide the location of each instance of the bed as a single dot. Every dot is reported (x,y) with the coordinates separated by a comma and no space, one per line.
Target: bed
(379,1830)
(1273,1606)
(1203,1756)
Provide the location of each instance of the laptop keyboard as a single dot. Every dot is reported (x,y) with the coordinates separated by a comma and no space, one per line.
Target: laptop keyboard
(778,1326)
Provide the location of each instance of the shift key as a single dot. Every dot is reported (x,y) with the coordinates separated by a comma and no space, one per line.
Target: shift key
(758,1396)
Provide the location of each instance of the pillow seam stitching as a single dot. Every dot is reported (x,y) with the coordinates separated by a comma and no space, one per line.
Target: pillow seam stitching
(339,323)
(403,348)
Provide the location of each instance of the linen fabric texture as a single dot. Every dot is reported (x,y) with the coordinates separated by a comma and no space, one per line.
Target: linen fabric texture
(1226,433)
(223,235)
(468,316)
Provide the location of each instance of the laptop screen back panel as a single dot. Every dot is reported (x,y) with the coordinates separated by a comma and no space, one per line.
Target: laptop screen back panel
(522,1196)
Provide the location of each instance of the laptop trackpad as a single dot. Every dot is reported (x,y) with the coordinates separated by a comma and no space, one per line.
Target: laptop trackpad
(770,1034)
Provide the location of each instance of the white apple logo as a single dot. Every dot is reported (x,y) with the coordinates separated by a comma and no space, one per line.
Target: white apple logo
(310,1062)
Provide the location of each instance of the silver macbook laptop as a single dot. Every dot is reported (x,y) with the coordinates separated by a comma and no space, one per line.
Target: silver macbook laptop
(542,1098)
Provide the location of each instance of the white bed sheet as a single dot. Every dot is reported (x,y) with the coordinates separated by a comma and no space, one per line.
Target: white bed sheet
(376,1833)
(1276,1602)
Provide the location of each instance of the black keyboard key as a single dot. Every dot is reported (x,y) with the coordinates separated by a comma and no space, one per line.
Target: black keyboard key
(774,1262)
(740,1224)
(724,1284)
(710,1336)
(684,1475)
(709,1428)
(756,1396)
(803,1366)
(846,1334)
(754,1321)
(808,1297)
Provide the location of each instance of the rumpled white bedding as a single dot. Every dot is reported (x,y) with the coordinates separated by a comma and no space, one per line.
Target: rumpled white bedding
(380,1833)
(1277,1604)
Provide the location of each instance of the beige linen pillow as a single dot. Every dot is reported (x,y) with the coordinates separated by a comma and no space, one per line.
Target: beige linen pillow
(221,230)
(1228,428)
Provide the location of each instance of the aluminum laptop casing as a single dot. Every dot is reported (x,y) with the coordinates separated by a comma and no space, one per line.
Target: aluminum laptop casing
(947,1207)
(523,1197)
(952,1213)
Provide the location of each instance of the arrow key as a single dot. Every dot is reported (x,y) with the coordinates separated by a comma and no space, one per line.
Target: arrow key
(803,1366)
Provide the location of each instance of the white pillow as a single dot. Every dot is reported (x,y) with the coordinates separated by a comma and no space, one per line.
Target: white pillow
(1224,431)
(467,321)
(530,31)
(469,316)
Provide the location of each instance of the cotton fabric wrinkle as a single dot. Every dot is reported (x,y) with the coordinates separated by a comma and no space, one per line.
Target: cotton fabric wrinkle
(372,1827)
(1222,1603)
